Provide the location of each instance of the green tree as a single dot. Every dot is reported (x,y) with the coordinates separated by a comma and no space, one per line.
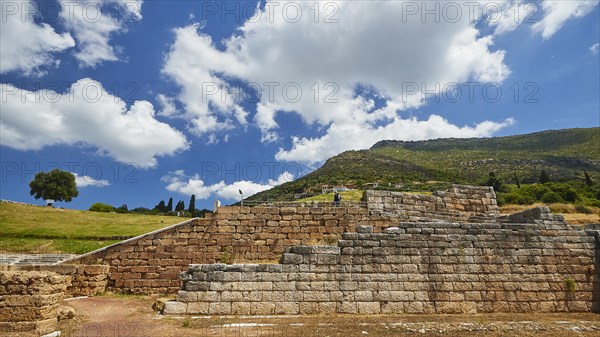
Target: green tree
(170,205)
(101,207)
(55,185)
(161,207)
(588,179)
(123,209)
(544,177)
(517,180)
(180,207)
(192,207)
(494,182)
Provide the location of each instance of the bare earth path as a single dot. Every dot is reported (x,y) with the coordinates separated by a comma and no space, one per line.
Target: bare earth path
(128,316)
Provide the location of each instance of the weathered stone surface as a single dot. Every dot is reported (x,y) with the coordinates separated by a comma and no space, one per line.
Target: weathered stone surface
(441,268)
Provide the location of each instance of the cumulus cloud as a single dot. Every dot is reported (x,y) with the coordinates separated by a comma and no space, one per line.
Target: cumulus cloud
(179,182)
(557,12)
(93,22)
(88,116)
(85,181)
(595,48)
(511,15)
(26,46)
(313,68)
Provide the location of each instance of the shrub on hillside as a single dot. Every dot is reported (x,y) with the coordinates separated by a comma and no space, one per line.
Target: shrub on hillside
(100,207)
(551,198)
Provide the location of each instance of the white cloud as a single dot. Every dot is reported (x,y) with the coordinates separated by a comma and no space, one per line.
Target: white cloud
(88,116)
(167,104)
(25,46)
(338,57)
(93,22)
(85,181)
(336,139)
(179,182)
(557,12)
(513,14)
(595,48)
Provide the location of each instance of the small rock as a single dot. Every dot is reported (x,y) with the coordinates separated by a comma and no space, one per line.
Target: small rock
(63,312)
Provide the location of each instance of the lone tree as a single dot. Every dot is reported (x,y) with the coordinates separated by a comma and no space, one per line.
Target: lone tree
(55,185)
(192,207)
(494,182)
(544,177)
(588,179)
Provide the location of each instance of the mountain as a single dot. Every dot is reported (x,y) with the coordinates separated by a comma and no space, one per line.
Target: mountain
(435,164)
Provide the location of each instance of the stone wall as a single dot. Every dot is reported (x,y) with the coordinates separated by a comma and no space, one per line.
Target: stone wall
(151,263)
(83,280)
(412,268)
(28,302)
(457,203)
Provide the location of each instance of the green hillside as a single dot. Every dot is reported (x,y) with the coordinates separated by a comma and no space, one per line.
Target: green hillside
(435,164)
(38,229)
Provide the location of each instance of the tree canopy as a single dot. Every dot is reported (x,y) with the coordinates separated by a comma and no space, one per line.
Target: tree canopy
(55,185)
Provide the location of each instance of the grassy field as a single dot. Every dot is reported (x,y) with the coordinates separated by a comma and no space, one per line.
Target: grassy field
(354,195)
(35,229)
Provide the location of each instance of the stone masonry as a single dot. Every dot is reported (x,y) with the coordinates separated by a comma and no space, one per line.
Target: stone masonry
(458,203)
(410,268)
(151,263)
(29,301)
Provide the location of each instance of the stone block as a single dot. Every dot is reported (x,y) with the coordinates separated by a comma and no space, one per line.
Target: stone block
(369,308)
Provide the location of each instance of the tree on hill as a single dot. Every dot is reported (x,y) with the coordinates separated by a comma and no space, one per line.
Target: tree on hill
(494,182)
(588,179)
(170,205)
(517,182)
(192,207)
(55,185)
(180,207)
(544,177)
(161,207)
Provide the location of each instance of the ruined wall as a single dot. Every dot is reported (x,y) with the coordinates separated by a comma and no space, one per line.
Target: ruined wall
(413,268)
(457,203)
(83,280)
(28,302)
(152,263)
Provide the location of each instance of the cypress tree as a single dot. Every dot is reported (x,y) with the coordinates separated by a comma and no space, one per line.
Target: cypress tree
(192,207)
(161,206)
(170,205)
(588,179)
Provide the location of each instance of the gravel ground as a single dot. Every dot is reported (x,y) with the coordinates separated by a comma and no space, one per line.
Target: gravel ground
(129,316)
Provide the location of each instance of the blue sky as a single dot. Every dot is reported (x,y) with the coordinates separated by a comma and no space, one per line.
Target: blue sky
(146,100)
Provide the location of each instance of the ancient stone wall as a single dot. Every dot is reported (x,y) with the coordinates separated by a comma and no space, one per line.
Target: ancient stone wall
(83,280)
(457,203)
(28,302)
(152,263)
(412,268)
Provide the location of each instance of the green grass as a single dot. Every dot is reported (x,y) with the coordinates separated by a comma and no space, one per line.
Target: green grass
(35,229)
(354,195)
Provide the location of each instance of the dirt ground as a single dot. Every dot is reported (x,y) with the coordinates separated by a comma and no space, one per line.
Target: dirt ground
(129,316)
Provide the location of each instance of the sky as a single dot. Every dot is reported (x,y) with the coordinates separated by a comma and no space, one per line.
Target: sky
(144,100)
